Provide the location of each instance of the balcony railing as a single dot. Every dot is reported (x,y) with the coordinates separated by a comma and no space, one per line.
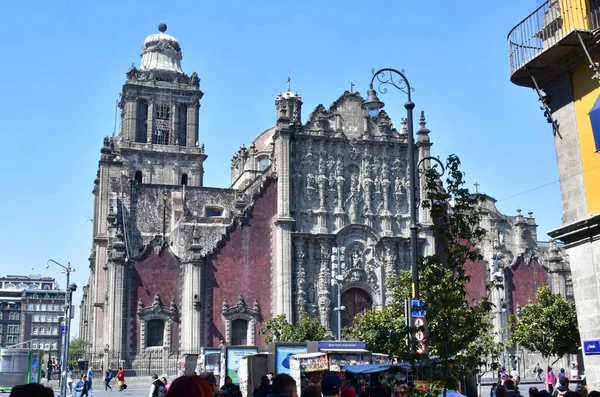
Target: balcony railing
(547,25)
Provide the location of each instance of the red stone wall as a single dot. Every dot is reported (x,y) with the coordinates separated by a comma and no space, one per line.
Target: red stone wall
(243,266)
(157,274)
(476,288)
(522,281)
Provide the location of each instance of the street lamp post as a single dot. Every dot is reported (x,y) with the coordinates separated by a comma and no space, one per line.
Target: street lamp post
(373,105)
(65,354)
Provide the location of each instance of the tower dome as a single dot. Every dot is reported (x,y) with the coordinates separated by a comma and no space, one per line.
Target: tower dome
(161,51)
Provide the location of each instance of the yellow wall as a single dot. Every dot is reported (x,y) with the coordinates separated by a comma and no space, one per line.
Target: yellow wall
(574,14)
(585,93)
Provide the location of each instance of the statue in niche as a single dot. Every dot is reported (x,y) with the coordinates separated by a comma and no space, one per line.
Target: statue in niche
(312,297)
(377,186)
(385,172)
(331,166)
(357,257)
(311,184)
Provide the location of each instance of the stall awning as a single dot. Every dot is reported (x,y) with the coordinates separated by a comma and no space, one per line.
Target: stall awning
(366,369)
(347,350)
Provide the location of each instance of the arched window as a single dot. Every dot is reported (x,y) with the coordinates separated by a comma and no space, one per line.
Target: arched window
(13,316)
(9,286)
(239,332)
(138,176)
(155,330)
(33,286)
(184,179)
(22,286)
(263,163)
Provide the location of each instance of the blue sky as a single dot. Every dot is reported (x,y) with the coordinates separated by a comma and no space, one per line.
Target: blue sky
(63,64)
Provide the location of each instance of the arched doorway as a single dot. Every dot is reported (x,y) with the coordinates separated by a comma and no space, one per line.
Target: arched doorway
(356,301)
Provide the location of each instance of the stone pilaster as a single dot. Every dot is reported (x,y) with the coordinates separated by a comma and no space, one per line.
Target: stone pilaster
(301,298)
(131,110)
(192,300)
(192,123)
(324,284)
(150,121)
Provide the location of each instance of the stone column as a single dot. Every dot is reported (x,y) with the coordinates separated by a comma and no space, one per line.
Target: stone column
(324,285)
(131,110)
(301,300)
(283,267)
(192,300)
(192,124)
(390,257)
(150,121)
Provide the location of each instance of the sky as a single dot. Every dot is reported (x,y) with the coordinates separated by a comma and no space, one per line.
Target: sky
(63,65)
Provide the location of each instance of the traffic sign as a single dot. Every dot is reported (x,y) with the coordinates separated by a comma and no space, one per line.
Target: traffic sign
(64,329)
(418,308)
(591,346)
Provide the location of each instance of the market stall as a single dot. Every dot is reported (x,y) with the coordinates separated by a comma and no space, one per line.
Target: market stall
(308,368)
(342,353)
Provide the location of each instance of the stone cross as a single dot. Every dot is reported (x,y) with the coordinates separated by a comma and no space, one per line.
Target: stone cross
(352,87)
(476,187)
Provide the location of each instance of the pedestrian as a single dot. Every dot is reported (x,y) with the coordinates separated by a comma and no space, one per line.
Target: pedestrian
(82,386)
(163,379)
(284,386)
(311,391)
(561,375)
(515,375)
(210,379)
(264,387)
(70,381)
(331,385)
(31,390)
(230,388)
(501,391)
(270,376)
(562,388)
(89,376)
(549,380)
(451,389)
(121,379)
(157,388)
(107,378)
(534,392)
(190,386)
(538,372)
(511,387)
(49,368)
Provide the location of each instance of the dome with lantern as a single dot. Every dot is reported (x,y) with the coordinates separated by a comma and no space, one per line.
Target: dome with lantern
(161,51)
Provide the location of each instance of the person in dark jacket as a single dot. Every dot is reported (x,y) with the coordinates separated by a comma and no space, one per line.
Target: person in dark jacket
(562,388)
(264,388)
(230,388)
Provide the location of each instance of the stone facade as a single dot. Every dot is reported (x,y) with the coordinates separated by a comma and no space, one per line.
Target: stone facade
(176,266)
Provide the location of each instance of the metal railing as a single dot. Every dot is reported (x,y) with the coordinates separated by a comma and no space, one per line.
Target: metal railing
(547,25)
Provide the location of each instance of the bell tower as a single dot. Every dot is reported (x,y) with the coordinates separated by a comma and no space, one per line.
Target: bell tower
(160,106)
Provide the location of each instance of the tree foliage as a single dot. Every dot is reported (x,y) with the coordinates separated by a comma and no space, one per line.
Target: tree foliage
(548,326)
(457,327)
(77,347)
(278,329)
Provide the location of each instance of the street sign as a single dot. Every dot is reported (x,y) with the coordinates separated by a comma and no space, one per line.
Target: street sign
(418,308)
(591,346)
(64,329)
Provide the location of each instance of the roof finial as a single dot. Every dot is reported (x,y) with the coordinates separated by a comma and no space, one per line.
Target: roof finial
(162,27)
(476,184)
(289,81)
(352,87)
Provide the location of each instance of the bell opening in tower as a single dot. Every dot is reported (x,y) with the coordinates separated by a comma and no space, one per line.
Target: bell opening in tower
(162,130)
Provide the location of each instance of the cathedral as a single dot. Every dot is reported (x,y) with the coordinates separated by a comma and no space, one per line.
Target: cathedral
(315,208)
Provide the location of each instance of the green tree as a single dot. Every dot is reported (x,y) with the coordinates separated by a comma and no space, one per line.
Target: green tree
(77,347)
(454,323)
(548,326)
(278,329)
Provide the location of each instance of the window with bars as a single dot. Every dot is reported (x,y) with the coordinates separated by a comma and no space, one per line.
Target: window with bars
(162,124)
